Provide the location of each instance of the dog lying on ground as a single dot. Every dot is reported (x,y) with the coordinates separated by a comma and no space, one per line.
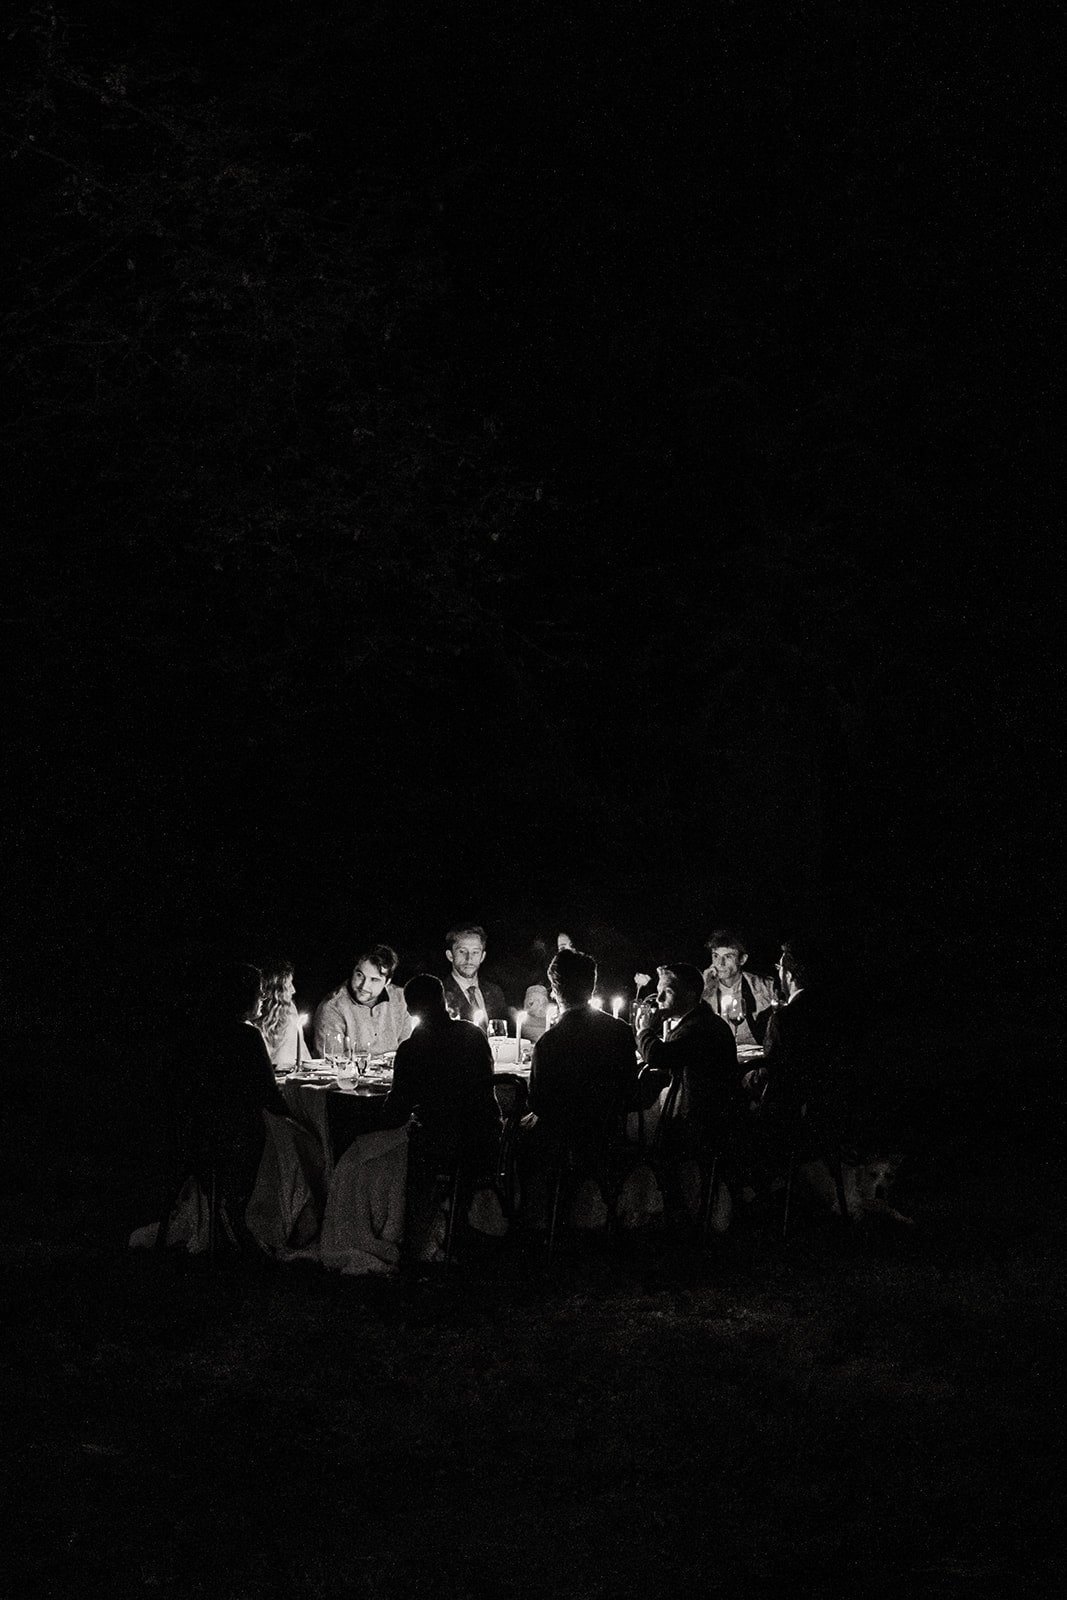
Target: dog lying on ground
(867,1186)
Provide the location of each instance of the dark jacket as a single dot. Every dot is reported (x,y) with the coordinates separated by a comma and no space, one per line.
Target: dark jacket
(229,1082)
(800,1053)
(456,1000)
(444,1074)
(700,1052)
(584,1072)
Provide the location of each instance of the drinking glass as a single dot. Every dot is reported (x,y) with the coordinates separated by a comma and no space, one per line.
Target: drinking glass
(498,1030)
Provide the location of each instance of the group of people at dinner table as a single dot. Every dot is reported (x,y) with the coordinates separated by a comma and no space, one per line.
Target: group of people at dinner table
(705,1050)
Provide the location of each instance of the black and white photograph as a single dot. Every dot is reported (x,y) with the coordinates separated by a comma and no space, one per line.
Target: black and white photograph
(533,790)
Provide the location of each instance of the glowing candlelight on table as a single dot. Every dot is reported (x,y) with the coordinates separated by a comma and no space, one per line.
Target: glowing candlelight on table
(520,1018)
(596,1003)
(616,1006)
(478,1018)
(415,1022)
(301,1024)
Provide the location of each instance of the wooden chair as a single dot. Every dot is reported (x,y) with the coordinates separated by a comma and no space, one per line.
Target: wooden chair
(606,1162)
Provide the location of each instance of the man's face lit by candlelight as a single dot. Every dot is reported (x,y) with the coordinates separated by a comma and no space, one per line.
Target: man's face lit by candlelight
(672,1001)
(727,961)
(466,956)
(368,981)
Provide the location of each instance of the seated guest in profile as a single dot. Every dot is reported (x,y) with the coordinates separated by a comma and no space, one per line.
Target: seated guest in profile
(742,998)
(697,1052)
(535,1005)
(464,994)
(802,1041)
(443,1076)
(276,1015)
(368,1011)
(584,1070)
(228,1081)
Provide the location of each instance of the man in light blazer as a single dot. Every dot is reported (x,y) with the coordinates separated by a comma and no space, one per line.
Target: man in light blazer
(741,998)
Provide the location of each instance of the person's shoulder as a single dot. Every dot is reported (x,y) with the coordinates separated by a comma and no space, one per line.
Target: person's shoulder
(469,1034)
(334,998)
(250,1041)
(710,1021)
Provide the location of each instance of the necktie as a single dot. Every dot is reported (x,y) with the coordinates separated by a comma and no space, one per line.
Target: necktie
(474,1000)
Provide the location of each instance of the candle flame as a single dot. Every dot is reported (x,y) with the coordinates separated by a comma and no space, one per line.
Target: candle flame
(478,1018)
(617,1005)
(596,1003)
(302,1019)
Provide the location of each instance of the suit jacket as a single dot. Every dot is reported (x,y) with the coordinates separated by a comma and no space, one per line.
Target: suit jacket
(801,1053)
(584,1071)
(700,1049)
(456,1000)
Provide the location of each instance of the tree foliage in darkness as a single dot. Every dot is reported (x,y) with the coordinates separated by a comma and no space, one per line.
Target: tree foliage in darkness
(509,368)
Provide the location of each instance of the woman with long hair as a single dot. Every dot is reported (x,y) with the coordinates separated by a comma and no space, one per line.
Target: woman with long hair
(276,1016)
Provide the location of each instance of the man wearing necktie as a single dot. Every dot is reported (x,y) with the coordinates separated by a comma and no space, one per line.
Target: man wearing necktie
(464,994)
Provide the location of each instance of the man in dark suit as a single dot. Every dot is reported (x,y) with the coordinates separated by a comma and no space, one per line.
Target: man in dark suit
(465,995)
(443,1074)
(802,1041)
(696,1049)
(687,1047)
(584,1069)
(583,1074)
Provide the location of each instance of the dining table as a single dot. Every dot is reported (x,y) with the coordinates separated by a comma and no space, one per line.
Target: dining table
(339,1101)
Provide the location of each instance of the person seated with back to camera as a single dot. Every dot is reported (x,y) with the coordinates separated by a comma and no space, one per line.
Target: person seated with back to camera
(582,1077)
(800,1050)
(741,997)
(696,1054)
(465,995)
(367,1010)
(228,1082)
(443,1077)
(276,1015)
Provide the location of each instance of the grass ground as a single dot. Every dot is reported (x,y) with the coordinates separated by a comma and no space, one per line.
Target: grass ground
(879,1415)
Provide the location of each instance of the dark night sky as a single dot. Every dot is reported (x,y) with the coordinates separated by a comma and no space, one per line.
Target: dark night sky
(567,470)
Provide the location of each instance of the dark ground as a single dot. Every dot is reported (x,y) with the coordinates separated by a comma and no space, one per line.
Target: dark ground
(878,1413)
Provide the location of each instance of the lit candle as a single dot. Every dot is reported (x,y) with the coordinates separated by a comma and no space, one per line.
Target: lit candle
(616,1007)
(520,1018)
(596,1003)
(301,1024)
(415,1022)
(478,1018)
